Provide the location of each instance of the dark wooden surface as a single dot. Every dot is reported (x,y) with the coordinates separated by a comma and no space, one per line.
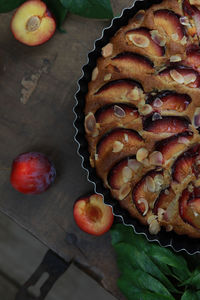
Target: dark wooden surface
(37,87)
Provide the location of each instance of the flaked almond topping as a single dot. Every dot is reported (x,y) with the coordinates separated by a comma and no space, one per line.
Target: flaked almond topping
(107,50)
(156,158)
(184,41)
(190,188)
(169,228)
(156,116)
(145,162)
(126,137)
(146,205)
(157,102)
(159,180)
(151,218)
(174,37)
(175,58)
(95,133)
(119,112)
(190,78)
(142,153)
(196,119)
(145,109)
(124,191)
(134,165)
(96,156)
(95,74)
(90,123)
(194,2)
(166,192)
(184,21)
(139,17)
(161,212)
(127,174)
(196,214)
(134,94)
(154,227)
(176,76)
(158,38)
(117,147)
(183,140)
(150,184)
(107,77)
(139,40)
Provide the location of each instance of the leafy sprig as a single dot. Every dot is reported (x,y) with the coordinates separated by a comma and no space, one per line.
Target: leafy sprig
(98,9)
(151,272)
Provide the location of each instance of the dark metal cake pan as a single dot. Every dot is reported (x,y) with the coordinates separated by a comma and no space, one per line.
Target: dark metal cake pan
(165,239)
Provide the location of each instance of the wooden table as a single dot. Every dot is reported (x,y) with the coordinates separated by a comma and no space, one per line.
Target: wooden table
(37,96)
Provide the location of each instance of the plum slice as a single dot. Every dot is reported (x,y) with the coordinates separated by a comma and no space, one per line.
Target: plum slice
(192,12)
(141,37)
(170,147)
(164,205)
(193,59)
(185,164)
(133,61)
(115,140)
(123,172)
(169,100)
(145,191)
(166,124)
(182,75)
(169,22)
(122,89)
(116,112)
(189,207)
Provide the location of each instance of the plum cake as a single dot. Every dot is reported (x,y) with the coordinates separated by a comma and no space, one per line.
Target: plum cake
(142,117)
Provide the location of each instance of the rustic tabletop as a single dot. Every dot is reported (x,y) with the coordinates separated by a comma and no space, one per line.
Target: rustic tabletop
(37,96)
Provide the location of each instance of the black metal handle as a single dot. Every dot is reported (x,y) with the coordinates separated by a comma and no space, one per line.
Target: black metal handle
(40,283)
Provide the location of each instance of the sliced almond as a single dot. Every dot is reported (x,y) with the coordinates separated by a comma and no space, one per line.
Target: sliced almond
(107,77)
(119,112)
(139,17)
(154,227)
(190,78)
(124,191)
(158,38)
(184,41)
(134,94)
(151,218)
(176,76)
(134,165)
(190,188)
(139,40)
(142,153)
(159,180)
(166,192)
(157,102)
(145,162)
(196,118)
(184,21)
(161,212)
(127,174)
(156,158)
(183,140)
(117,147)
(96,157)
(156,116)
(90,123)
(169,228)
(95,73)
(126,137)
(145,109)
(150,184)
(194,2)
(174,37)
(107,50)
(146,205)
(175,58)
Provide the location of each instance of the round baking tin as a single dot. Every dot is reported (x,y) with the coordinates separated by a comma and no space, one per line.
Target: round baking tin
(165,239)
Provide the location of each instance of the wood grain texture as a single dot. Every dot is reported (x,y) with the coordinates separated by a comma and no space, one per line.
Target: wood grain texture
(45,79)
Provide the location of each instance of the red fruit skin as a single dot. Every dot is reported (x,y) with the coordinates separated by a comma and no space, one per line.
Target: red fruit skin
(92,215)
(32,173)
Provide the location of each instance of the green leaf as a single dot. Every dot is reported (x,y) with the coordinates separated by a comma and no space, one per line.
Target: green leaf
(8,5)
(58,10)
(99,9)
(145,281)
(140,260)
(167,257)
(190,295)
(133,293)
(194,280)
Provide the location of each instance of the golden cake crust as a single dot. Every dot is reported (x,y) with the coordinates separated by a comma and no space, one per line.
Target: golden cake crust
(141,118)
